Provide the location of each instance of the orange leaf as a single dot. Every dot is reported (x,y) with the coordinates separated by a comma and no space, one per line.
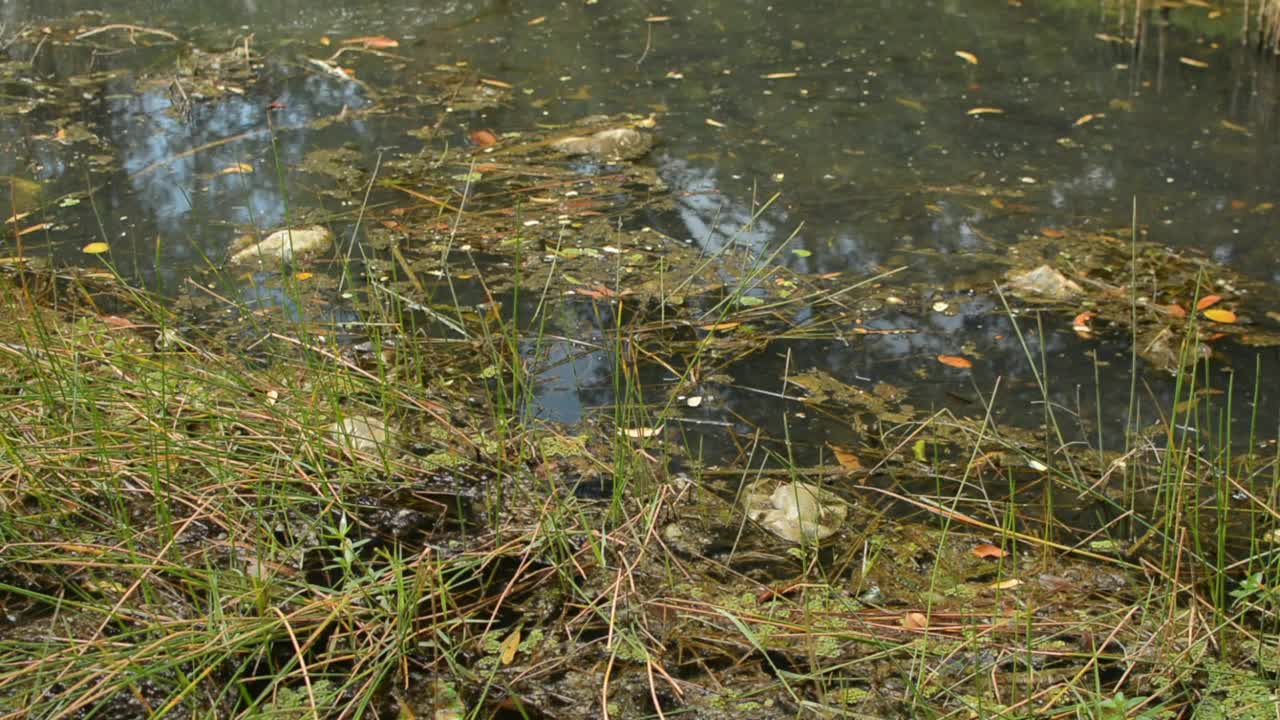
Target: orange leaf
(373,42)
(1081,321)
(1052,233)
(1176,310)
(1208,301)
(116,321)
(484,138)
(955,361)
(915,621)
(846,458)
(987,550)
(1219,315)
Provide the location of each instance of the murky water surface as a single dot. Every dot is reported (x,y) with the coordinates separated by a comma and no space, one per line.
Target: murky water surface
(864,118)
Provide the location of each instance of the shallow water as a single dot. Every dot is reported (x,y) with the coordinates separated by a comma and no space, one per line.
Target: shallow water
(869,146)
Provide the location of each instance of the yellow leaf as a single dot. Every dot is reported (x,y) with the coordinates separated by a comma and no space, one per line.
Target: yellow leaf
(302,276)
(779,76)
(984,111)
(507,651)
(1085,119)
(1192,62)
(237,169)
(967,57)
(1219,315)
(95,248)
(909,103)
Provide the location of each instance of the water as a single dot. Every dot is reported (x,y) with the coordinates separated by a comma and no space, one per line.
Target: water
(856,114)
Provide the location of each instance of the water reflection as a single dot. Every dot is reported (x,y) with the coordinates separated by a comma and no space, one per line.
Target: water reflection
(855,114)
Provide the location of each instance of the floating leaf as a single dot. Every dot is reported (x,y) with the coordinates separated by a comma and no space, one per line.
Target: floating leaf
(779,76)
(955,361)
(1175,310)
(967,57)
(714,123)
(95,248)
(909,103)
(750,301)
(639,433)
(1208,301)
(1052,233)
(1192,62)
(483,138)
(1086,119)
(918,449)
(801,253)
(35,228)
(302,276)
(847,459)
(373,42)
(987,550)
(984,111)
(1220,315)
(537,21)
(1081,322)
(1005,584)
(237,169)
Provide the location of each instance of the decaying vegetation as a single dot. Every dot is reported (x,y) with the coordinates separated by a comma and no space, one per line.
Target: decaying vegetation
(234,505)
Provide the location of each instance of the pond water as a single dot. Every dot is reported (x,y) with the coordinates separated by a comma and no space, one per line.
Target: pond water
(859,115)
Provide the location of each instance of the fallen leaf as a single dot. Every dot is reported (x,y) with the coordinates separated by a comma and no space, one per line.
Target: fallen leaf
(967,57)
(1219,315)
(915,621)
(116,321)
(657,18)
(1192,62)
(714,123)
(537,21)
(720,326)
(34,228)
(302,276)
(987,550)
(95,248)
(846,458)
(507,650)
(1176,310)
(1052,233)
(984,111)
(955,361)
(373,42)
(643,432)
(909,103)
(483,138)
(1005,584)
(1208,301)
(237,169)
(1234,127)
(496,83)
(1239,204)
(1081,322)
(779,76)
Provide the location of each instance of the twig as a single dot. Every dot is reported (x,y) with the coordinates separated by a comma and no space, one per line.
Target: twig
(133,30)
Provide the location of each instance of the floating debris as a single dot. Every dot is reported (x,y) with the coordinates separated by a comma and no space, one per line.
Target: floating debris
(281,247)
